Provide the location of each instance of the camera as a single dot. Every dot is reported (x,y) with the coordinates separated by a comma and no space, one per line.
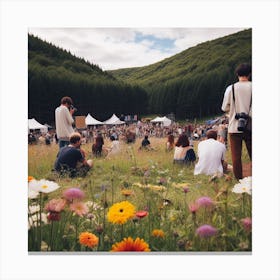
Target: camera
(73,108)
(242,120)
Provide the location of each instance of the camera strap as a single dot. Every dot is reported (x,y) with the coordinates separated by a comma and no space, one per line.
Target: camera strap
(233,95)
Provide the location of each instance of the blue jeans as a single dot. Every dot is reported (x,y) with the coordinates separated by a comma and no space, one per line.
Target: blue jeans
(63,143)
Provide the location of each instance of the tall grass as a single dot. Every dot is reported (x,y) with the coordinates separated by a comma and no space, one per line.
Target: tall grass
(157,186)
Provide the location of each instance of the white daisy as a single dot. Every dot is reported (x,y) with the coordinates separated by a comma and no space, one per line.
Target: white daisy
(43,186)
(244,186)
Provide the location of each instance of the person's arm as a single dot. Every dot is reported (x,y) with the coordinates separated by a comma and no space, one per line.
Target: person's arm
(226,100)
(68,115)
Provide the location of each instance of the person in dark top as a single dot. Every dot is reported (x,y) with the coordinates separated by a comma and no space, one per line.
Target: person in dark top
(71,159)
(146,144)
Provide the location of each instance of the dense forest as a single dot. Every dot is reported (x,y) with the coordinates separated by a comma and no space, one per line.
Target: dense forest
(54,73)
(192,83)
(189,84)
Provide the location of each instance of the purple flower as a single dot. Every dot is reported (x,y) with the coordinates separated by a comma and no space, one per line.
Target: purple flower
(186,189)
(73,193)
(247,224)
(204,201)
(206,231)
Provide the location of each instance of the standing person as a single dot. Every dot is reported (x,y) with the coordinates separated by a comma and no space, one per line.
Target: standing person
(64,121)
(71,158)
(211,155)
(237,100)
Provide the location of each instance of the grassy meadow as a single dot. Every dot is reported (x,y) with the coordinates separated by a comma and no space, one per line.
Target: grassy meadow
(136,201)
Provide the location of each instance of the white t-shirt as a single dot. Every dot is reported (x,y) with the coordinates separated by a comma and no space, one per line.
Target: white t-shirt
(210,155)
(63,123)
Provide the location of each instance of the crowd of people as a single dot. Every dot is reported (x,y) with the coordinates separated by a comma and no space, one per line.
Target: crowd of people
(211,149)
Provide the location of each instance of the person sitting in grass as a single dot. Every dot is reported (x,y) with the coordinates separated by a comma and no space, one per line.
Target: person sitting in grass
(211,156)
(145,144)
(183,152)
(71,159)
(115,147)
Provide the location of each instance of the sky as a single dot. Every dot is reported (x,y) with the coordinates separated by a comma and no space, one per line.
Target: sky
(115,48)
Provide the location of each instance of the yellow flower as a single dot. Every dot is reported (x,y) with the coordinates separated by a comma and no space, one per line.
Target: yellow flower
(158,233)
(88,239)
(128,244)
(120,212)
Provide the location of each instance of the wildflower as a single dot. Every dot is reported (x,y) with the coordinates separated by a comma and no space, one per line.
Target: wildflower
(79,208)
(126,192)
(206,231)
(162,181)
(53,216)
(99,229)
(55,205)
(244,186)
(121,212)
(193,207)
(141,214)
(34,220)
(247,224)
(43,186)
(30,178)
(186,189)
(88,239)
(32,194)
(73,193)
(204,201)
(32,209)
(128,244)
(158,233)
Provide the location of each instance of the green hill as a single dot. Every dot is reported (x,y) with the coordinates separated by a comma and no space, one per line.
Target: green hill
(54,73)
(189,84)
(192,83)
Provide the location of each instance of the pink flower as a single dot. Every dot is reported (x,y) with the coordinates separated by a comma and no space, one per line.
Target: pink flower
(55,205)
(79,208)
(204,201)
(193,207)
(73,193)
(247,224)
(186,189)
(206,231)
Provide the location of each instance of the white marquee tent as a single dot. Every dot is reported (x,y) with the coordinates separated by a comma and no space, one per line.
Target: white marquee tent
(33,124)
(114,120)
(92,121)
(164,120)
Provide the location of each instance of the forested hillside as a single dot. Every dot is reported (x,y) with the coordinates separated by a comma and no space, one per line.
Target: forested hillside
(192,83)
(54,73)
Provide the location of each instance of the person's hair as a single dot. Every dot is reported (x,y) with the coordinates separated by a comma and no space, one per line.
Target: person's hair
(211,133)
(75,137)
(170,138)
(146,137)
(182,141)
(243,70)
(66,100)
(112,138)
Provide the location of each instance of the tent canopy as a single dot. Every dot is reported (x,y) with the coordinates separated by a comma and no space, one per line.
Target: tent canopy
(164,120)
(92,121)
(114,120)
(33,124)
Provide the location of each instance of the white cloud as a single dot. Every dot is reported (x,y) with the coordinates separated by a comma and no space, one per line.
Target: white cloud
(114,48)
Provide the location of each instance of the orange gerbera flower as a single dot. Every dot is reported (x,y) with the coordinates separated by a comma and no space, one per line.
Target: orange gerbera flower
(158,233)
(128,244)
(30,178)
(88,239)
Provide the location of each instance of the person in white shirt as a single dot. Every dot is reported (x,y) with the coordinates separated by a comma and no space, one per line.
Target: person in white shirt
(233,104)
(64,121)
(211,156)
